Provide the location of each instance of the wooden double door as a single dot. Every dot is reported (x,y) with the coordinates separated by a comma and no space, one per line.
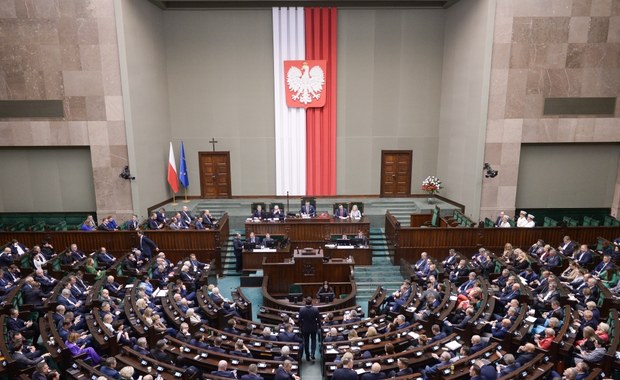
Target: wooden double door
(396,173)
(214,174)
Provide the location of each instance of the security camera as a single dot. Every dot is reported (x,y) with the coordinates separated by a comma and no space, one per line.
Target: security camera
(126,174)
(490,173)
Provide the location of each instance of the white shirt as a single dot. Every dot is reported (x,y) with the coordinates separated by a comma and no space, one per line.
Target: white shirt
(529,224)
(521,222)
(505,224)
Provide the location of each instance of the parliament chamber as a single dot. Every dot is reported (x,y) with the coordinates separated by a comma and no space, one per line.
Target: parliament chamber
(164,315)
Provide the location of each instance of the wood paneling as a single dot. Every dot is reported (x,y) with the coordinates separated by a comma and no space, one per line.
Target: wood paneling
(409,242)
(309,232)
(176,244)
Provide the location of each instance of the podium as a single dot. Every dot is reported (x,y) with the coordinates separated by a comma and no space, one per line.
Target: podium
(305,266)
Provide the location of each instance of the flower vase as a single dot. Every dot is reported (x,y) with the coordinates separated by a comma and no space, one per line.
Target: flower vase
(431,198)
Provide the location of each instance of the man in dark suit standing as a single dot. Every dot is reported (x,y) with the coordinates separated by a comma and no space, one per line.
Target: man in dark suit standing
(146,245)
(238,249)
(309,322)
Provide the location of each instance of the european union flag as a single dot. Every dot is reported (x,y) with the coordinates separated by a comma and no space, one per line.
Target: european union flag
(183,169)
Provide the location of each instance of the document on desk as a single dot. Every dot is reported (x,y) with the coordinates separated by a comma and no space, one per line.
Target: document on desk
(262,250)
(345,247)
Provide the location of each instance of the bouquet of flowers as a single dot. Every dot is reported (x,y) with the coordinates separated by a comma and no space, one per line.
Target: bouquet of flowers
(431,185)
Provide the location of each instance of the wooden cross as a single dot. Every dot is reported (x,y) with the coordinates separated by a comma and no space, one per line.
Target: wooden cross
(213,141)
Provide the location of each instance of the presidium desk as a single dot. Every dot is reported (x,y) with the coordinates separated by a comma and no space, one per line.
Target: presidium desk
(308,232)
(306,266)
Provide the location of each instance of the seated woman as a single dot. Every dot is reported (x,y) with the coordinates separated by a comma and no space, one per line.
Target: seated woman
(89,267)
(355,213)
(326,290)
(89,224)
(76,350)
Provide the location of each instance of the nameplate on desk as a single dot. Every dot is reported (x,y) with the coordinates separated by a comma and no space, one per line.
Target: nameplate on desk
(330,245)
(160,293)
(261,250)
(345,247)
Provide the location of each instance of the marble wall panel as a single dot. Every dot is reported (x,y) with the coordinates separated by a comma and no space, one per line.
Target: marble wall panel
(559,48)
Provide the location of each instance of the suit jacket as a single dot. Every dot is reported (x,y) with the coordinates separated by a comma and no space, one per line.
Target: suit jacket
(525,357)
(499,332)
(259,214)
(554,261)
(228,374)
(584,258)
(33,296)
(238,246)
(161,356)
(344,374)
(311,211)
(281,374)
(14,249)
(309,319)
(153,225)
(343,214)
(509,368)
(110,372)
(105,258)
(569,249)
(373,376)
(251,376)
(437,337)
(477,347)
(17,325)
(146,246)
(289,337)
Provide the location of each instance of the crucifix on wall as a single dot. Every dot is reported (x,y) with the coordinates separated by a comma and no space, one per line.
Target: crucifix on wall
(213,141)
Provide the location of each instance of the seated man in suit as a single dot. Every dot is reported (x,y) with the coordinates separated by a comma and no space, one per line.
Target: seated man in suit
(159,354)
(403,368)
(584,256)
(476,344)
(285,354)
(276,213)
(161,215)
(253,239)
(252,373)
(437,334)
(115,289)
(375,373)
(199,224)
(333,336)
(268,241)
(259,213)
(444,359)
(500,331)
(285,372)
(17,248)
(104,259)
(105,225)
(567,247)
(186,217)
(154,224)
(6,257)
(47,282)
(222,370)
(109,368)
(308,209)
(511,365)
(288,335)
(141,346)
(208,219)
(341,212)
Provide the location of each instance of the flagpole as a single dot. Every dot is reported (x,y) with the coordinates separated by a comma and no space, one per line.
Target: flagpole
(185,201)
(174,199)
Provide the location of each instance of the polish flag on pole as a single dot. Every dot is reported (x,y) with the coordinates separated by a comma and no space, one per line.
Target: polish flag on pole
(172,171)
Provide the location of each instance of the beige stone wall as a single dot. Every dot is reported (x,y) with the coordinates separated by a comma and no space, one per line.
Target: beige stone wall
(551,48)
(67,49)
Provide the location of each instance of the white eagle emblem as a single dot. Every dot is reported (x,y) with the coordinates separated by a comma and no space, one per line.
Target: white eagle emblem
(307,84)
